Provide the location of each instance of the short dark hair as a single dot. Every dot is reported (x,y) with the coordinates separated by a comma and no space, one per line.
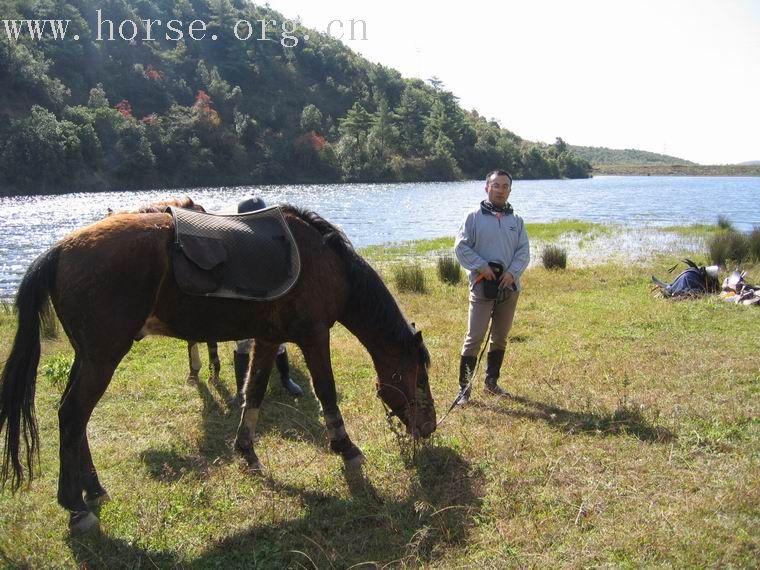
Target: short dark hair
(251,204)
(499,172)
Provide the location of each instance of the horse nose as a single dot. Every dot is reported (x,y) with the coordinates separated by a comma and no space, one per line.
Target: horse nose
(424,430)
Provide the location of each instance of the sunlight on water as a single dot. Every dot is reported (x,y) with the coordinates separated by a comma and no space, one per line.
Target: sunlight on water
(379,213)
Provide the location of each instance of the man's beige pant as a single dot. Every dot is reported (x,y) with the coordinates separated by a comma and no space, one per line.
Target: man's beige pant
(479,317)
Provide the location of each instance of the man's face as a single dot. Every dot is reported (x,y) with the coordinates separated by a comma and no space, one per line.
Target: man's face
(498,189)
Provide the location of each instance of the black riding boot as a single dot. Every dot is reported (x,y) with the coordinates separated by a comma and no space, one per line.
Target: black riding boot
(466,370)
(241,369)
(284,369)
(495,359)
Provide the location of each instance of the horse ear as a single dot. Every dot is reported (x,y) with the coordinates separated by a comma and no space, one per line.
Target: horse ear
(418,337)
(414,327)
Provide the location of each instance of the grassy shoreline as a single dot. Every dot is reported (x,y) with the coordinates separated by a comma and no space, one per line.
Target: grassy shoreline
(632,439)
(588,244)
(676,170)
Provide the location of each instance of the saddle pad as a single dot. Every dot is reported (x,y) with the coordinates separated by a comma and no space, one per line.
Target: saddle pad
(238,256)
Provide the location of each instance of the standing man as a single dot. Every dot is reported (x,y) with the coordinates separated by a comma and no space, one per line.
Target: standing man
(243,348)
(492,246)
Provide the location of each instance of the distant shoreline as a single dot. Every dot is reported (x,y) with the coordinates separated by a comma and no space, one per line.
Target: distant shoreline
(676,169)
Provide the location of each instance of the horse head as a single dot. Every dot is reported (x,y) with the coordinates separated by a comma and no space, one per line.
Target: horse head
(405,390)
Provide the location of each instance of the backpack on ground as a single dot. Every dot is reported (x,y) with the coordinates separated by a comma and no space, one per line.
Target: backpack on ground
(696,280)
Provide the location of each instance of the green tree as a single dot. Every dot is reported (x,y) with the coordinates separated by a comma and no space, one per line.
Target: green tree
(411,112)
(383,127)
(537,164)
(311,119)
(40,151)
(357,122)
(98,97)
(27,76)
(435,128)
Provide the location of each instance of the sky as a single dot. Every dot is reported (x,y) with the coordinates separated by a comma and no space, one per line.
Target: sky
(668,76)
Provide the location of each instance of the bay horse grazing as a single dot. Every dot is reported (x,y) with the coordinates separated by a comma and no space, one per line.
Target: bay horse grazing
(112,283)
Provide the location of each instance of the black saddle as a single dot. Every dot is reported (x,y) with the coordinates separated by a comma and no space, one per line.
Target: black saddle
(238,256)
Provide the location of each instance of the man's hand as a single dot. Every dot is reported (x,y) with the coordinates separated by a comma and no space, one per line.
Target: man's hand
(507,280)
(487,273)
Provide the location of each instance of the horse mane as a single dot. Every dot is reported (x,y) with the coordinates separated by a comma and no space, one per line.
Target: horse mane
(158,207)
(370,298)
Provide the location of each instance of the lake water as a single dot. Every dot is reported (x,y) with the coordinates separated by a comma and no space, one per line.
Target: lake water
(379,213)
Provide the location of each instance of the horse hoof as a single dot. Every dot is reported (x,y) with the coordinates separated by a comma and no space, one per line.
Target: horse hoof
(82,522)
(252,465)
(355,462)
(193,379)
(252,462)
(98,500)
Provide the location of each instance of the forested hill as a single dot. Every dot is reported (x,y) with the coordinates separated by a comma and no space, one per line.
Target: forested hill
(629,156)
(99,114)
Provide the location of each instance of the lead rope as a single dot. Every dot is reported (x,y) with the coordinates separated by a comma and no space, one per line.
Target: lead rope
(389,414)
(477,366)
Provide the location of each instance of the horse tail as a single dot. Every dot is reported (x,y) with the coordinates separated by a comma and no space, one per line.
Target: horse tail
(18,379)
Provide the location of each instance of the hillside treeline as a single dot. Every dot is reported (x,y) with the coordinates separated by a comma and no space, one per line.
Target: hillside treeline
(89,114)
(598,155)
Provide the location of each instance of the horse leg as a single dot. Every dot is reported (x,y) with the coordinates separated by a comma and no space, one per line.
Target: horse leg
(193,378)
(94,493)
(254,390)
(317,355)
(88,381)
(214,365)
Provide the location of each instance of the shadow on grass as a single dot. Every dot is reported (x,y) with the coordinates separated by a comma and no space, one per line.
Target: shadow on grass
(625,420)
(437,513)
(519,338)
(294,419)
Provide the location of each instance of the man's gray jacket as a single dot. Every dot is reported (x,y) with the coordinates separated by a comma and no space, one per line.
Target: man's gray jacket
(484,237)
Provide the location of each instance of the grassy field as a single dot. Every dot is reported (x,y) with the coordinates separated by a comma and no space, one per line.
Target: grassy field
(631,439)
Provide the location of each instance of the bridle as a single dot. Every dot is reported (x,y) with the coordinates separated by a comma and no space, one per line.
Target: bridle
(396,380)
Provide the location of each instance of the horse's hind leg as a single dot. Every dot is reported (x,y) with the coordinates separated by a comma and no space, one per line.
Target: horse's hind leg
(317,355)
(94,493)
(88,382)
(254,390)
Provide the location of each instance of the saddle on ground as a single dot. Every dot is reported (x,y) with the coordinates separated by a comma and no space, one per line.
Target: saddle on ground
(238,256)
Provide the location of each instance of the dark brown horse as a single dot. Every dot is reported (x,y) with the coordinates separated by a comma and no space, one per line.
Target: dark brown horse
(112,283)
